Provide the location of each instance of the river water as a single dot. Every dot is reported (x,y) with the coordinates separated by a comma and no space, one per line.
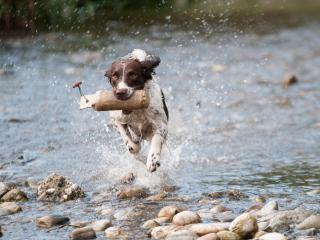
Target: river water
(232,123)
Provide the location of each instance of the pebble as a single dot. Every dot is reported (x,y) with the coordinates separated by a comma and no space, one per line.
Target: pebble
(14,195)
(78,224)
(269,208)
(259,199)
(168,211)
(311,222)
(227,235)
(51,220)
(1,232)
(8,208)
(282,220)
(82,234)
(100,225)
(186,217)
(150,224)
(161,232)
(182,235)
(226,216)
(131,192)
(215,195)
(115,233)
(219,209)
(162,220)
(273,236)
(244,225)
(210,236)
(157,197)
(219,68)
(236,195)
(4,188)
(289,80)
(205,228)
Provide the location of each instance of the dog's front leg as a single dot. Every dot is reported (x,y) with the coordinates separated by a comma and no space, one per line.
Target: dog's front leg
(157,141)
(131,146)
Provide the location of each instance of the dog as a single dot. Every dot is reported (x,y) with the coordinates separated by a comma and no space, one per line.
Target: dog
(135,72)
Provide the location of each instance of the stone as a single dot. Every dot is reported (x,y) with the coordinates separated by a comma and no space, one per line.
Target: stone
(82,234)
(181,234)
(219,68)
(8,208)
(236,195)
(14,195)
(100,225)
(259,199)
(157,197)
(1,232)
(227,216)
(162,220)
(78,224)
(150,224)
(4,188)
(185,218)
(210,236)
(215,195)
(51,221)
(57,188)
(169,211)
(161,232)
(219,209)
(227,235)
(205,228)
(131,192)
(115,233)
(128,179)
(259,234)
(244,225)
(289,80)
(281,221)
(311,222)
(273,236)
(269,208)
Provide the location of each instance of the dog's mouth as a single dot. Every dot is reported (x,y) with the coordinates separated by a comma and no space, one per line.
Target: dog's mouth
(123,97)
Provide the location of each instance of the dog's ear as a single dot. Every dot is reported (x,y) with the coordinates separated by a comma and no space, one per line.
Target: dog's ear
(108,73)
(149,65)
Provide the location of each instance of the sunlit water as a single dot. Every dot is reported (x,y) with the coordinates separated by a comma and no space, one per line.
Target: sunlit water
(233,129)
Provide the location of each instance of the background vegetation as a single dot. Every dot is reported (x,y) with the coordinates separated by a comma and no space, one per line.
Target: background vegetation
(35,15)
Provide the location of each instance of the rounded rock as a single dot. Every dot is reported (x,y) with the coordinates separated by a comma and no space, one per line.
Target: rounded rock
(210,236)
(273,236)
(311,222)
(161,232)
(244,225)
(132,192)
(100,225)
(181,234)
(14,195)
(82,234)
(150,224)
(8,208)
(227,235)
(115,233)
(185,218)
(51,220)
(205,228)
(168,211)
(219,209)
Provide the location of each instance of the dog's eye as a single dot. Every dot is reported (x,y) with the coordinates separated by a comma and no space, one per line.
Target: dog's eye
(115,75)
(132,75)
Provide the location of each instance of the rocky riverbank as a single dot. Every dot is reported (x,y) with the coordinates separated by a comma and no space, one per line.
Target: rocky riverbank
(157,215)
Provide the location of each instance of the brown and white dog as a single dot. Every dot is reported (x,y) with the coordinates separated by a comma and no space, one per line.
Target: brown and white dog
(130,73)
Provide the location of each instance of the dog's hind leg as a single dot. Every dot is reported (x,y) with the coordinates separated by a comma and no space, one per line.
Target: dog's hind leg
(132,146)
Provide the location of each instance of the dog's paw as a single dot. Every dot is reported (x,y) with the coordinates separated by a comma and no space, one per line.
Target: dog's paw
(133,148)
(153,162)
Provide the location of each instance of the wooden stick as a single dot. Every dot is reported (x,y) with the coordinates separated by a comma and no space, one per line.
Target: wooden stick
(106,101)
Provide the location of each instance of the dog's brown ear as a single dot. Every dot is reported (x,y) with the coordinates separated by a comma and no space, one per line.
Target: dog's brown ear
(108,73)
(150,64)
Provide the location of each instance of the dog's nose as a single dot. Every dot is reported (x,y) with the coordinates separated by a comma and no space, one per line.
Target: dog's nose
(122,92)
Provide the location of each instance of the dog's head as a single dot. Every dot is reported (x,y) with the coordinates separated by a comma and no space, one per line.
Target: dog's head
(128,75)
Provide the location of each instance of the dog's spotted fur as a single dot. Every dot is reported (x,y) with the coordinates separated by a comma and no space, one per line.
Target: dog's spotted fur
(126,75)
